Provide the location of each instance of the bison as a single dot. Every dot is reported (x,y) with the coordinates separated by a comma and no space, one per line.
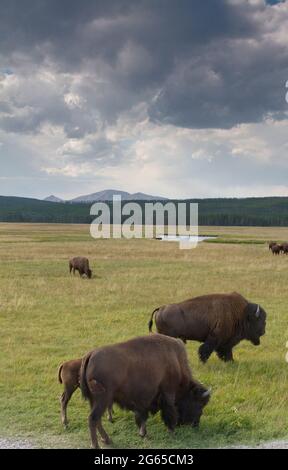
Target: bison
(271,244)
(81,265)
(220,321)
(145,375)
(68,375)
(276,249)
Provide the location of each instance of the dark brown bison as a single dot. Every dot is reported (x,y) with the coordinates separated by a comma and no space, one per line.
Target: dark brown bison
(285,248)
(271,244)
(81,265)
(276,249)
(220,321)
(144,375)
(69,376)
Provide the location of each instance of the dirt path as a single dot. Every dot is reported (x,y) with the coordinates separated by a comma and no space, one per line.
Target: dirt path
(10,443)
(264,445)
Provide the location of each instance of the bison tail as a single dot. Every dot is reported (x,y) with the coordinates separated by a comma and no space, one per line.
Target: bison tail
(83,381)
(59,374)
(150,324)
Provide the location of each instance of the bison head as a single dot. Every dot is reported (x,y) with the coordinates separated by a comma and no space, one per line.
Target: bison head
(190,405)
(89,273)
(255,324)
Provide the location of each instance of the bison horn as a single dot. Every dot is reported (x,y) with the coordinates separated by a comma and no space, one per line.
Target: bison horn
(258,311)
(207,393)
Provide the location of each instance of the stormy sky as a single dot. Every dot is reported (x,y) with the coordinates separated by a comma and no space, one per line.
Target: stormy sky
(180,99)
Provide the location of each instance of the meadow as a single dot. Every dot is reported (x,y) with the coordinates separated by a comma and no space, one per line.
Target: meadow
(48,316)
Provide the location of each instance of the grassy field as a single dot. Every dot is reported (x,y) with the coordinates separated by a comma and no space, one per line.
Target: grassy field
(47,316)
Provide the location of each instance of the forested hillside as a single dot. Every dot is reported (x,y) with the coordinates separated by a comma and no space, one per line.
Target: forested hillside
(270,211)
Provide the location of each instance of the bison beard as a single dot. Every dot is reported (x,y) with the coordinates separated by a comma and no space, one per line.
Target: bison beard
(219,321)
(144,375)
(191,405)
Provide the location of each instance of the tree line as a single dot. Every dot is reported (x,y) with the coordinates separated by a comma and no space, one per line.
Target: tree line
(262,212)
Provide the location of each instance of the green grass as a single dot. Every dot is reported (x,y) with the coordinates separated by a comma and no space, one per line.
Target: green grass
(48,316)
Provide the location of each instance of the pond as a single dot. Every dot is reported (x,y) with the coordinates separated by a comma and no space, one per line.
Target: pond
(190,238)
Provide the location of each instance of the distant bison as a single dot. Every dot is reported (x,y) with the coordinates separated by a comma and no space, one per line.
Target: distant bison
(220,321)
(81,265)
(144,375)
(276,249)
(271,244)
(68,375)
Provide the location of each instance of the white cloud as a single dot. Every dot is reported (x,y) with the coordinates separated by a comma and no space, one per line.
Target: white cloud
(73,100)
(186,162)
(75,147)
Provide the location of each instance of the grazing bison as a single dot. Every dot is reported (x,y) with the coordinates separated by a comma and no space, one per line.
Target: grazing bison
(81,265)
(285,248)
(271,244)
(144,375)
(220,321)
(69,375)
(276,249)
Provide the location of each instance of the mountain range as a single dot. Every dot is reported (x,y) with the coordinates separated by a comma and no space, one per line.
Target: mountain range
(107,195)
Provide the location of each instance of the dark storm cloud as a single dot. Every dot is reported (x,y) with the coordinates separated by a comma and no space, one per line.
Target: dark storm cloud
(100,28)
(224,87)
(196,64)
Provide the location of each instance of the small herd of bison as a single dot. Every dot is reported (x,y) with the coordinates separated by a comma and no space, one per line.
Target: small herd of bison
(277,248)
(151,373)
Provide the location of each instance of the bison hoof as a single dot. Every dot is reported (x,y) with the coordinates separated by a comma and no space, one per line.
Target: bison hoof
(203,356)
(142,432)
(107,441)
(203,359)
(64,422)
(226,357)
(94,446)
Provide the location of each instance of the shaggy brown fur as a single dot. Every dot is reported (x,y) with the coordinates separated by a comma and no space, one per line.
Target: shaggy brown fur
(144,375)
(81,265)
(68,375)
(220,321)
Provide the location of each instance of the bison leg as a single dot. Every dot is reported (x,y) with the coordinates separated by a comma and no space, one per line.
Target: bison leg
(93,434)
(94,421)
(225,354)
(141,418)
(110,414)
(104,436)
(64,400)
(168,411)
(207,348)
